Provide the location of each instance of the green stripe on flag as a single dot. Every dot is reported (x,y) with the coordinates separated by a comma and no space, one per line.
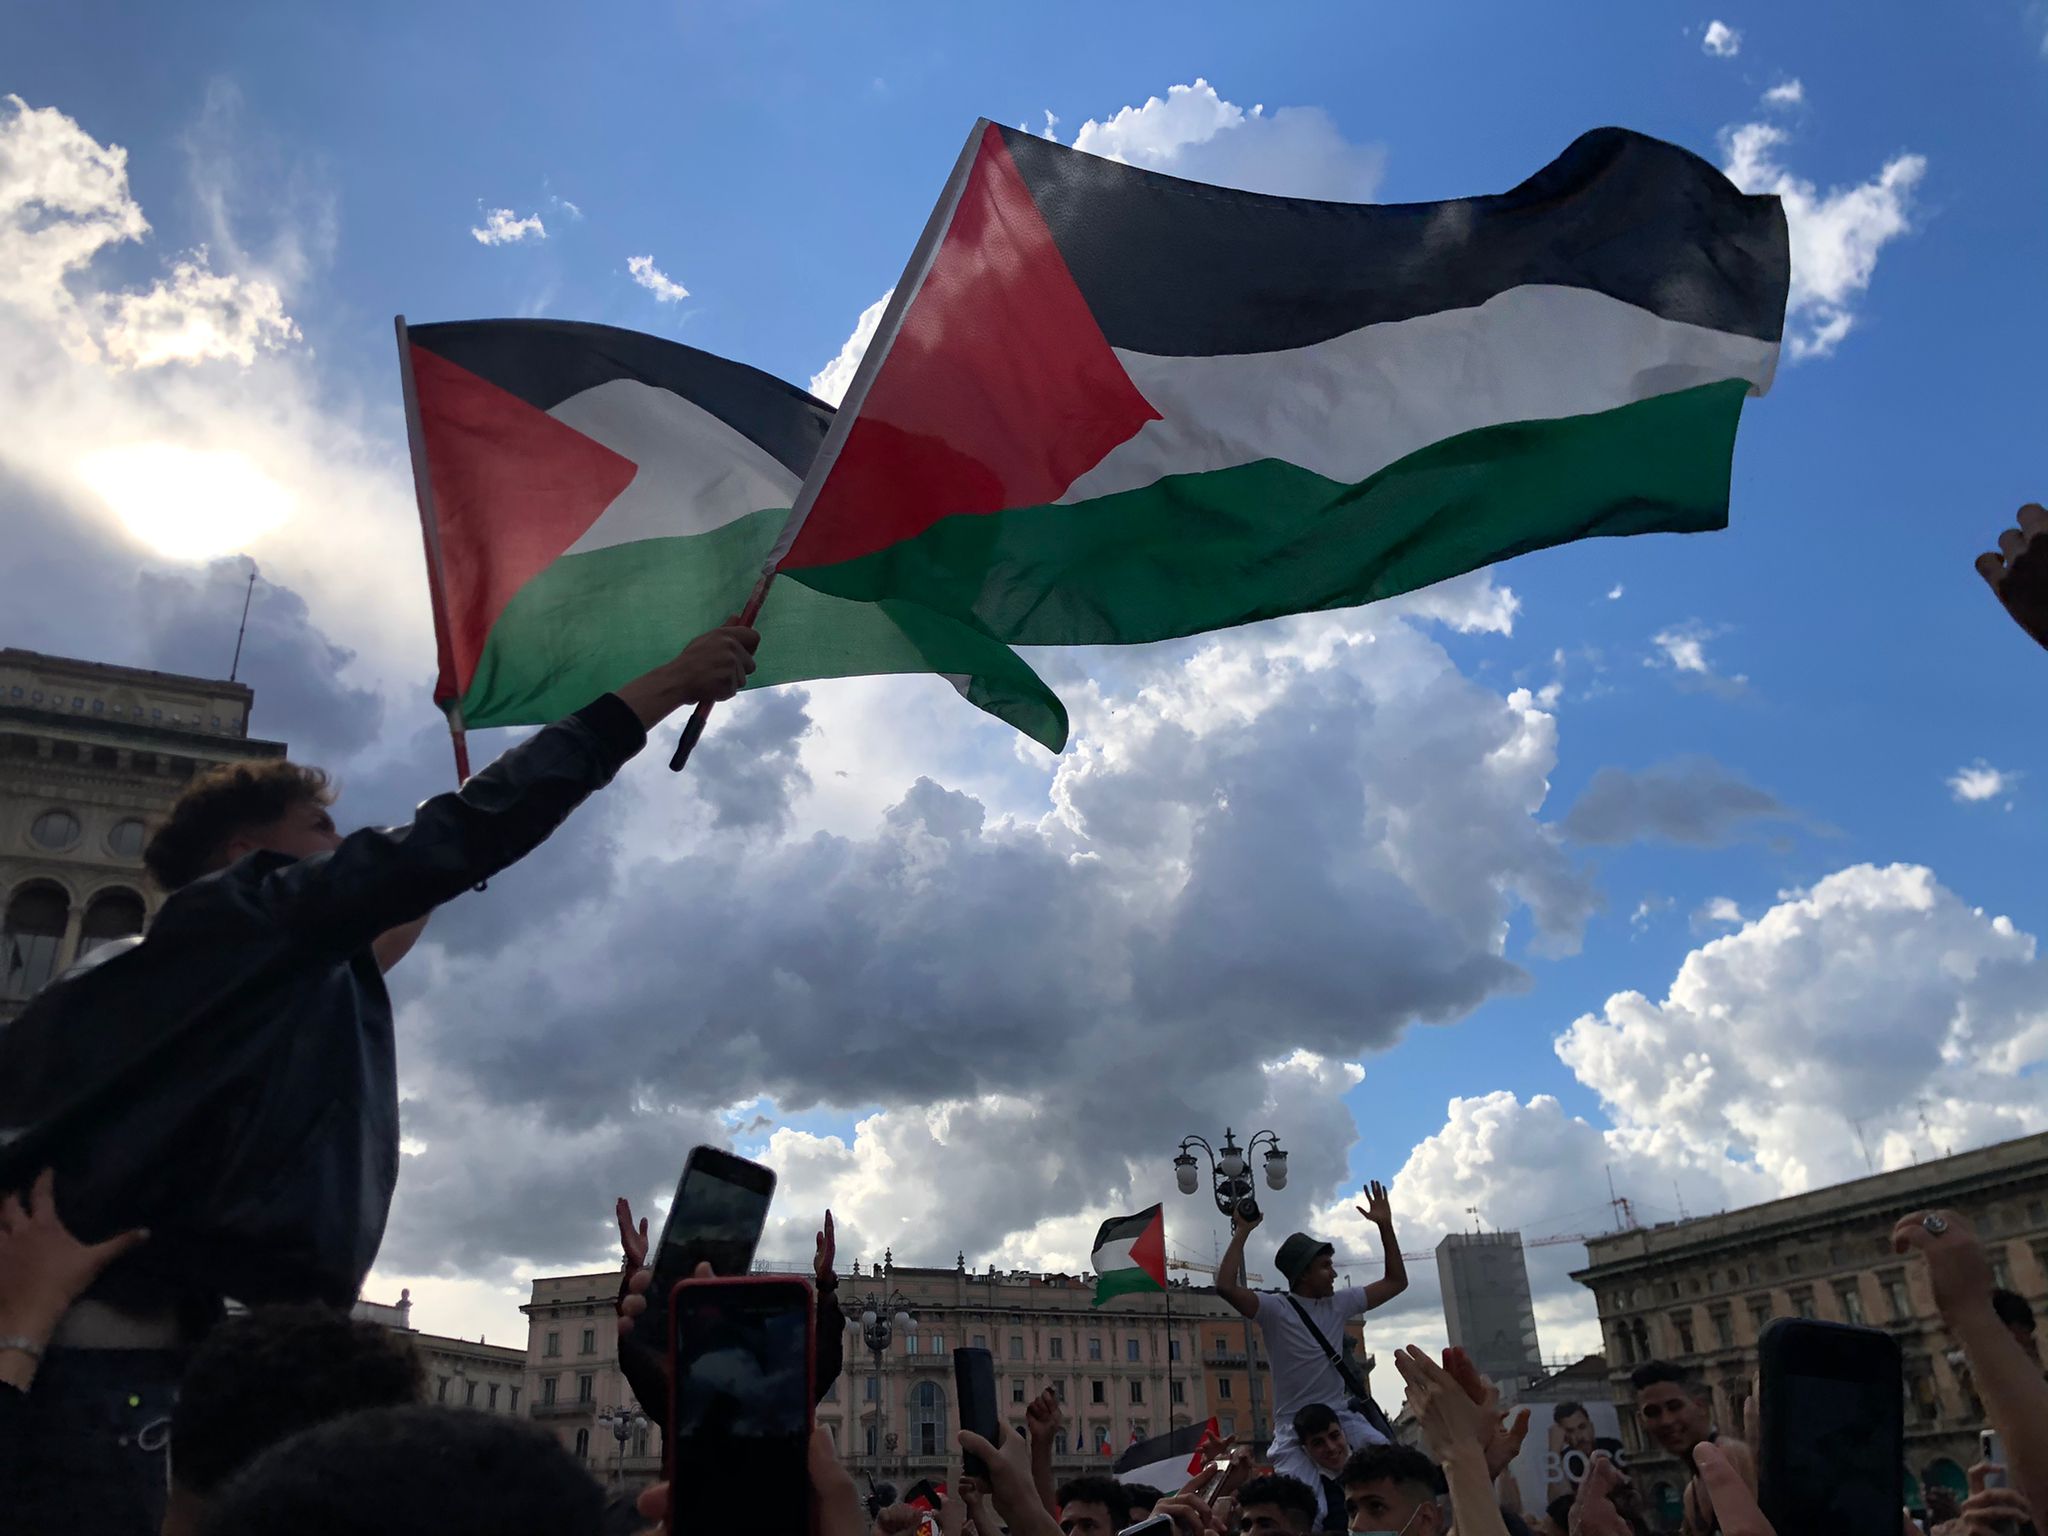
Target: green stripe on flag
(1205,551)
(1122,1282)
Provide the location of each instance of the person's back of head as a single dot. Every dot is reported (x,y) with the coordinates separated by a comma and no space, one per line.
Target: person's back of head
(413,1471)
(264,1377)
(1277,1505)
(226,805)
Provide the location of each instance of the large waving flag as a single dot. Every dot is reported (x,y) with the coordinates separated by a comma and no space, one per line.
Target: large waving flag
(593,498)
(1106,405)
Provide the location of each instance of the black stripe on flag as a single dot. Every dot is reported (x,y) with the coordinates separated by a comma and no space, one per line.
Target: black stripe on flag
(544,362)
(1181,269)
(1180,1445)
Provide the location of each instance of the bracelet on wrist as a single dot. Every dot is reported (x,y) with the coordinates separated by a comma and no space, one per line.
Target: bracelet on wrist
(22,1344)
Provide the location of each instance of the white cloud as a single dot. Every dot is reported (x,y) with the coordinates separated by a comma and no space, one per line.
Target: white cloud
(1683,649)
(1647,910)
(1717,912)
(665,289)
(831,382)
(1980,781)
(1836,236)
(1790,93)
(1194,132)
(501,226)
(565,206)
(63,199)
(1614,592)
(1876,1009)
(1721,40)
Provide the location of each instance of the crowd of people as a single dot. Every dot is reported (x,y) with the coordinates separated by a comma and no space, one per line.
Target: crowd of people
(199,1145)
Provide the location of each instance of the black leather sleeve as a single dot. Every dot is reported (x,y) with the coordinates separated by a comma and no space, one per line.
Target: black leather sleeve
(378,878)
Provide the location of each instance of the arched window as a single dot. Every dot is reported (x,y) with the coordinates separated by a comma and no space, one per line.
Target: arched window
(927,1420)
(583,1445)
(30,935)
(114,914)
(640,1441)
(127,837)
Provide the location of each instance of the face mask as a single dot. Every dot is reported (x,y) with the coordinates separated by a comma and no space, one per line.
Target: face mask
(1404,1525)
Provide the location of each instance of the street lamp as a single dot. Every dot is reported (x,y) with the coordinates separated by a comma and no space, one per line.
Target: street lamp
(880,1318)
(624,1424)
(1230,1174)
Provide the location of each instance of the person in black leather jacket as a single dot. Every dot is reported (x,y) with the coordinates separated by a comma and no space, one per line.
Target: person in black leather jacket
(230,1082)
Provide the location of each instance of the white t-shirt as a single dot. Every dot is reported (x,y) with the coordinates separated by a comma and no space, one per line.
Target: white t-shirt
(1302,1372)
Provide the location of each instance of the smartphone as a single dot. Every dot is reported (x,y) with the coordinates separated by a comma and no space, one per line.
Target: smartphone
(740,1401)
(1991,1449)
(1151,1525)
(974,1385)
(716,1218)
(1834,1429)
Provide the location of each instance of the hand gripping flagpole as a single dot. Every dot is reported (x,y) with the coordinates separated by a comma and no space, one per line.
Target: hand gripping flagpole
(904,295)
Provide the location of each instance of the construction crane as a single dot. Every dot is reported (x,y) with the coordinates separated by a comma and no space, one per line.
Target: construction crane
(1210,1270)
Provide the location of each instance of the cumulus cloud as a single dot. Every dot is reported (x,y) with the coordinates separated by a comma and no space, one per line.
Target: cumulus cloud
(1789,93)
(501,226)
(1690,800)
(1836,235)
(63,199)
(1721,40)
(665,289)
(831,382)
(1194,132)
(1848,1014)
(950,965)
(1979,781)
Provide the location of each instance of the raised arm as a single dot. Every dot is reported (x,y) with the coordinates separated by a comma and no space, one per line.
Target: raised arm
(1229,1273)
(1380,1213)
(380,879)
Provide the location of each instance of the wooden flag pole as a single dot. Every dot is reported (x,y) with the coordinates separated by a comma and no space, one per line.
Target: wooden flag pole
(430,533)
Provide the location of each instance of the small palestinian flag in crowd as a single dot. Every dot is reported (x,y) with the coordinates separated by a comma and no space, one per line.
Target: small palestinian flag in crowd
(1130,1255)
(1167,1461)
(594,498)
(1110,406)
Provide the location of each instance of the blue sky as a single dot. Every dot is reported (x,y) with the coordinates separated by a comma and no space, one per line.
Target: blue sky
(777,162)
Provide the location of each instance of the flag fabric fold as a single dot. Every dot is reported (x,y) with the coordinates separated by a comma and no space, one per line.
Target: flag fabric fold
(1111,406)
(594,498)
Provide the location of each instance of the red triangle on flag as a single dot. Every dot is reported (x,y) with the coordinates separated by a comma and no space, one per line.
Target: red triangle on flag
(513,489)
(1149,1251)
(998,389)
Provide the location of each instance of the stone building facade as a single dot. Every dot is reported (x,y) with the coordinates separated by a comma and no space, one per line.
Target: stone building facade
(1133,1368)
(461,1373)
(1700,1292)
(91,757)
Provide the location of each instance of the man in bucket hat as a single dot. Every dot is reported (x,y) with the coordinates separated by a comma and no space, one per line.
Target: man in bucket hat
(1303,1328)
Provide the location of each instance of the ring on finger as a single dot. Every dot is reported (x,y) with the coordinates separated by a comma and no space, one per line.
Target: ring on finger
(1936,1225)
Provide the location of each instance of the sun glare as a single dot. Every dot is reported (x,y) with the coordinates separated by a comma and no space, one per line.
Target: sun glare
(186,503)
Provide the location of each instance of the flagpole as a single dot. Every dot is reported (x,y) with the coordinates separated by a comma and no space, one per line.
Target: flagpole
(430,534)
(922,255)
(1169,1351)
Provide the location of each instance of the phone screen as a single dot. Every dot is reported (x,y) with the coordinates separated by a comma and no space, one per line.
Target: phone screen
(1834,1427)
(741,1425)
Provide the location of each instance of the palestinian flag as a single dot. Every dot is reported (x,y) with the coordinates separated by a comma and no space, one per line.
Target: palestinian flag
(1130,1255)
(1106,405)
(594,498)
(1166,1461)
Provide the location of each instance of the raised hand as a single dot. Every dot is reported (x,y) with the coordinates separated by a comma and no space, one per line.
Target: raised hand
(1504,1441)
(1377,1208)
(1012,1488)
(2018,573)
(1593,1512)
(1450,1419)
(1956,1264)
(828,1251)
(632,1239)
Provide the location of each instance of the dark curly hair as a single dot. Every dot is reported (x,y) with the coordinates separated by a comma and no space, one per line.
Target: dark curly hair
(222,801)
(1093,1489)
(261,1378)
(1288,1494)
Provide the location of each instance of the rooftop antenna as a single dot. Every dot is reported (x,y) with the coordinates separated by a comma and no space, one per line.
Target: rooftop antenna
(249,593)
(1682,1215)
(1473,1212)
(1869,1165)
(1625,1215)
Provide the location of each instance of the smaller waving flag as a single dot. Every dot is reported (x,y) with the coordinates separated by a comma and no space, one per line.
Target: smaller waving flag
(1130,1255)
